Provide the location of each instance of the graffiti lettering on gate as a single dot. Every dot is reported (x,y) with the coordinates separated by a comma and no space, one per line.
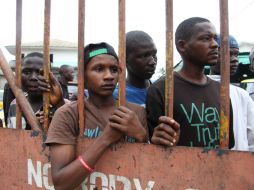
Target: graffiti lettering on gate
(38,174)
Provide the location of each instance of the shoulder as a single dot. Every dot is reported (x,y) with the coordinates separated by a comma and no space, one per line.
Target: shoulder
(69,106)
(240,95)
(67,110)
(64,127)
(212,82)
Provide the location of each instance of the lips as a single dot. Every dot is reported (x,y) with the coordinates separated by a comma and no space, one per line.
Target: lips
(150,71)
(33,88)
(108,86)
(214,53)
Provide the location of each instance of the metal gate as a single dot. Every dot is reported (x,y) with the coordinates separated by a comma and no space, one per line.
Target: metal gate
(25,161)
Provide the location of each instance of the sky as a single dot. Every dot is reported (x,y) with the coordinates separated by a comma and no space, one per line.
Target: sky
(102,20)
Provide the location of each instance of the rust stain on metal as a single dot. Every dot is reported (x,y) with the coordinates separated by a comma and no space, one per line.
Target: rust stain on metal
(224,68)
(224,128)
(121,53)
(46,65)
(18,57)
(81,81)
(169,80)
(134,160)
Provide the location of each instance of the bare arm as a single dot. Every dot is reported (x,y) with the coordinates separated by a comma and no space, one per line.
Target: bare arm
(67,171)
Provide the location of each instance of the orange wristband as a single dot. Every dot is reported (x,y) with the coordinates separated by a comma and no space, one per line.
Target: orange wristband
(88,168)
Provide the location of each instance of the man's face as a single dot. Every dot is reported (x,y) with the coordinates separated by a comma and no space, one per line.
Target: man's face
(233,62)
(202,48)
(101,75)
(30,71)
(142,60)
(69,74)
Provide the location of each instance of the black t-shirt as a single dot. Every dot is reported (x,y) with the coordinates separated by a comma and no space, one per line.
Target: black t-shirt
(196,109)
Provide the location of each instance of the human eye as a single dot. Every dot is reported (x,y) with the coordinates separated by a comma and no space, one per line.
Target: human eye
(98,68)
(26,71)
(114,69)
(205,38)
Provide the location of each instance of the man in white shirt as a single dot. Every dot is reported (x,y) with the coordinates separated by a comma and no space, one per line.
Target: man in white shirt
(242,104)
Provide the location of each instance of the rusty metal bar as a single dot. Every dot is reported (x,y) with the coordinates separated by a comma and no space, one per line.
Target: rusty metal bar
(24,104)
(46,65)
(224,67)
(121,53)
(169,80)
(18,57)
(81,81)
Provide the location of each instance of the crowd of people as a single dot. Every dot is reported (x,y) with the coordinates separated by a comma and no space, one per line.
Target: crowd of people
(196,106)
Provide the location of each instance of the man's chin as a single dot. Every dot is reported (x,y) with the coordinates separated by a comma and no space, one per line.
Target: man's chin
(212,63)
(35,92)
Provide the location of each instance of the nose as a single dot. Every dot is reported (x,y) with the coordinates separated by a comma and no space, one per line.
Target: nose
(108,75)
(214,43)
(152,60)
(34,76)
(234,59)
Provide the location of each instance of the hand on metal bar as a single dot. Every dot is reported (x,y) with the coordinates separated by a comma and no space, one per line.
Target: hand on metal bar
(167,132)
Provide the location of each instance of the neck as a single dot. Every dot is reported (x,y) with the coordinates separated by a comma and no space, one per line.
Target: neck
(137,82)
(63,80)
(193,73)
(101,102)
(214,73)
(36,102)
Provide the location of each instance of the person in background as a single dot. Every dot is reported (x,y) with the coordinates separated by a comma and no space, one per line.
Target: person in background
(244,71)
(33,85)
(250,86)
(8,97)
(66,75)
(141,61)
(196,119)
(105,122)
(242,104)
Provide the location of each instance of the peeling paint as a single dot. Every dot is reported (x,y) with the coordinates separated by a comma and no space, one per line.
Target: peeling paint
(221,152)
(206,149)
(35,133)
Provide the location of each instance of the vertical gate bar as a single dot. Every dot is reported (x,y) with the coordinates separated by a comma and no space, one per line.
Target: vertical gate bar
(46,64)
(224,67)
(81,82)
(24,104)
(169,80)
(121,53)
(18,57)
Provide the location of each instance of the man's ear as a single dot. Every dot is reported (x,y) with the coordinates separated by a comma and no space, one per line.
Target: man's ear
(181,46)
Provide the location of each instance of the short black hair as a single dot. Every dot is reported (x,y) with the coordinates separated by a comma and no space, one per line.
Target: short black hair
(133,38)
(185,29)
(33,54)
(63,68)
